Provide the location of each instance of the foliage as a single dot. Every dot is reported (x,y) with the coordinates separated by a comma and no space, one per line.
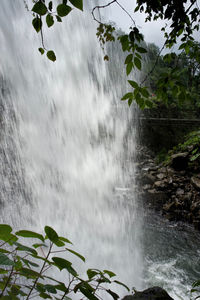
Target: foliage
(52,12)
(190,144)
(181,72)
(24,269)
(196,289)
(183,21)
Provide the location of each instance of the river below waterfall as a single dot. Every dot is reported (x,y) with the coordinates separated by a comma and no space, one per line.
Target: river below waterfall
(66,154)
(171,254)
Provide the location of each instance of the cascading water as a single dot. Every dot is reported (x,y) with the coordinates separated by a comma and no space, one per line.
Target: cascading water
(65,153)
(62,142)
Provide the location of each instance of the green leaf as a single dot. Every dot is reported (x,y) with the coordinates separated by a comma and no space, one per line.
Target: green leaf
(61,238)
(114,295)
(49,20)
(128,59)
(130,101)
(42,258)
(29,263)
(91,273)
(50,5)
(18,263)
(50,232)
(144,92)
(86,292)
(77,3)
(13,297)
(6,235)
(127,96)
(58,19)
(196,283)
(61,287)
(28,273)
(129,68)
(30,234)
(120,283)
(41,50)
(37,24)
(45,296)
(4,251)
(59,243)
(50,288)
(110,273)
(62,263)
(51,55)
(141,50)
(5,229)
(39,8)
(21,247)
(5,260)
(39,245)
(77,254)
(137,62)
(138,55)
(2,271)
(63,10)
(124,42)
(194,157)
(148,103)
(133,84)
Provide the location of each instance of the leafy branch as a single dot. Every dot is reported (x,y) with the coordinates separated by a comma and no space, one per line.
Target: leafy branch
(28,279)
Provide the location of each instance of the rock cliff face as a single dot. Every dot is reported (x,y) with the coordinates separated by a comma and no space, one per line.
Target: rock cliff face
(172,189)
(154,293)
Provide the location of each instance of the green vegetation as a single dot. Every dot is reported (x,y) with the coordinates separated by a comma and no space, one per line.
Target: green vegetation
(190,144)
(186,81)
(183,21)
(26,271)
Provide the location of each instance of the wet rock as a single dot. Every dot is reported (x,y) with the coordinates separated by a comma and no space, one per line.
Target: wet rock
(179,192)
(196,224)
(169,206)
(195,207)
(178,204)
(179,161)
(148,178)
(161,176)
(154,293)
(155,199)
(170,171)
(146,187)
(160,185)
(195,182)
(162,170)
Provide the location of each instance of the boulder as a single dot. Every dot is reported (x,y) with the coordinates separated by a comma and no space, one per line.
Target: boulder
(148,178)
(179,161)
(160,185)
(161,176)
(153,293)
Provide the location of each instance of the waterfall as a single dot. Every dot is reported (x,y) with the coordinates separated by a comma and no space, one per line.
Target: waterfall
(64,142)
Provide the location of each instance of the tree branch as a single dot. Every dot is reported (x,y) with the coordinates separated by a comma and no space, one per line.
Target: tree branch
(101,6)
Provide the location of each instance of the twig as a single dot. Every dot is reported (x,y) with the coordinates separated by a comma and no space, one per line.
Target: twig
(153,68)
(6,284)
(36,280)
(99,7)
(125,12)
(42,37)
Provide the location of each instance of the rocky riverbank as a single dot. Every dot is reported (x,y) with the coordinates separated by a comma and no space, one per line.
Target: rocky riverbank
(173,189)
